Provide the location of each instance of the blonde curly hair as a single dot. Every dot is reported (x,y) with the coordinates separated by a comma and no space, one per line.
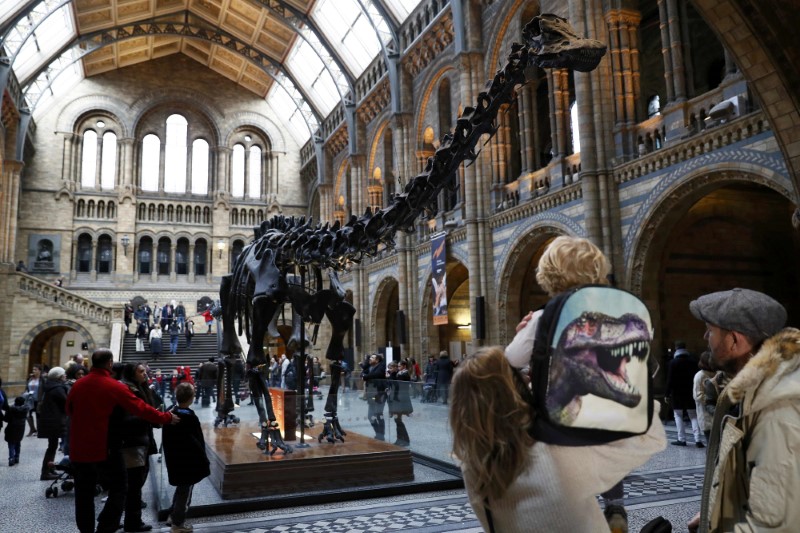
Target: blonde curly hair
(571,261)
(490,416)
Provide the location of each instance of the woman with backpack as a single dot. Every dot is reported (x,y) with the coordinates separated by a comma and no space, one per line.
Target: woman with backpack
(530,486)
(567,263)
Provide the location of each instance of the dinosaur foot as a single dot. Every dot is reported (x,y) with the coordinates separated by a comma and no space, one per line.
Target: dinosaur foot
(277,441)
(226,420)
(331,430)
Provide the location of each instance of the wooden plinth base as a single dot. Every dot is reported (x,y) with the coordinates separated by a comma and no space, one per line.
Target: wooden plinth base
(240,470)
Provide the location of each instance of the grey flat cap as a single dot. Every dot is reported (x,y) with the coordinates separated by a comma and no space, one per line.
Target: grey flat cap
(750,312)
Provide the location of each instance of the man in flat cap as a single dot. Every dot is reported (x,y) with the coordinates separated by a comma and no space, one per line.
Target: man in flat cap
(752,477)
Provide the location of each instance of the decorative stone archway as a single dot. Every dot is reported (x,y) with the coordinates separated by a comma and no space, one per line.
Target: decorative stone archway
(670,204)
(30,337)
(654,258)
(520,251)
(380,312)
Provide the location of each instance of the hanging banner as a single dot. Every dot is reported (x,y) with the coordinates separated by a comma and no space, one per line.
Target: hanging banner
(439,278)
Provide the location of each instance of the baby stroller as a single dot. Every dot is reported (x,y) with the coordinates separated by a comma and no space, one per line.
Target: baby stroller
(65,478)
(429,391)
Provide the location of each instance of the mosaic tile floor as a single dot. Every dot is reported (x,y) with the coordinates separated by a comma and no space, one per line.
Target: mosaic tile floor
(668,485)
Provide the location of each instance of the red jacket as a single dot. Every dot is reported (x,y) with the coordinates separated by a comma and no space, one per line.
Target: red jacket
(89,406)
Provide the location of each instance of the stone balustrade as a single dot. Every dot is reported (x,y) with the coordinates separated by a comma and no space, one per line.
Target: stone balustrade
(63,299)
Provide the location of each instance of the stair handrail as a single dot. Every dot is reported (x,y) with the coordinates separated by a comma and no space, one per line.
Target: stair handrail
(63,298)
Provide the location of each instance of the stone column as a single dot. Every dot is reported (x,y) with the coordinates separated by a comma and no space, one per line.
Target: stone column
(162,157)
(223,169)
(676,45)
(73,269)
(127,146)
(623,39)
(93,270)
(173,275)
(67,163)
(246,174)
(666,50)
(190,260)
(189,164)
(98,163)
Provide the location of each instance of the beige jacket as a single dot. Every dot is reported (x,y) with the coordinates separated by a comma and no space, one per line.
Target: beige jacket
(754,486)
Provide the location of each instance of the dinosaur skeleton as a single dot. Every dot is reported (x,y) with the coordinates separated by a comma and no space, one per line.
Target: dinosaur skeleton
(286,260)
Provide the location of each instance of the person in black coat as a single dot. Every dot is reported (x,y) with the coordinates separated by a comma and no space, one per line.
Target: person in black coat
(185,454)
(374,377)
(680,382)
(15,418)
(53,417)
(400,399)
(134,436)
(444,375)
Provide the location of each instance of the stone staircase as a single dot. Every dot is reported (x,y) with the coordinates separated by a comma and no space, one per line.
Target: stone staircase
(203,347)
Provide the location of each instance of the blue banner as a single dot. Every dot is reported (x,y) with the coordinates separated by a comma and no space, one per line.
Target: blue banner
(439,278)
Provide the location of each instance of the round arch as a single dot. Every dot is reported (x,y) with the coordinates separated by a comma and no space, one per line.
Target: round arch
(701,207)
(46,330)
(77,109)
(668,204)
(385,305)
(457,274)
(430,85)
(515,268)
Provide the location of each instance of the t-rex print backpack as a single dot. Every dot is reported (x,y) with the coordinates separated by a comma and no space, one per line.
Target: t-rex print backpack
(589,367)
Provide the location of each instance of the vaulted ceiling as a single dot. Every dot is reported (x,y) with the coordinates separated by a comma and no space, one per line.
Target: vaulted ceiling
(312,50)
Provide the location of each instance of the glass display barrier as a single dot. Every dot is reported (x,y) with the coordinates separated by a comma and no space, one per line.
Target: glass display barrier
(413,418)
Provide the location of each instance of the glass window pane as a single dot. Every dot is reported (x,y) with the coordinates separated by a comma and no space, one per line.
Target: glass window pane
(89,159)
(255,172)
(151,153)
(576,135)
(237,172)
(108,166)
(175,155)
(307,67)
(286,109)
(402,8)
(54,32)
(200,167)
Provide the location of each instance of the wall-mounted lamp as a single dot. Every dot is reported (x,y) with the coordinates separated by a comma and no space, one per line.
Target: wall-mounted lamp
(220,247)
(464,326)
(125,242)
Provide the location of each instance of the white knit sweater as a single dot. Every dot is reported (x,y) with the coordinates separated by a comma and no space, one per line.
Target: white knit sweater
(557,493)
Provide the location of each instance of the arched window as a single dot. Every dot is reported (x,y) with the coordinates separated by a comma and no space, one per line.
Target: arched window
(84,253)
(182,256)
(170,213)
(151,212)
(162,256)
(199,167)
(142,211)
(197,215)
(89,159)
(90,210)
(234,217)
(179,214)
(151,154)
(200,251)
(101,209)
(161,213)
(112,210)
(145,255)
(237,172)
(104,255)
(576,134)
(255,172)
(81,209)
(206,215)
(175,155)
(108,162)
(236,251)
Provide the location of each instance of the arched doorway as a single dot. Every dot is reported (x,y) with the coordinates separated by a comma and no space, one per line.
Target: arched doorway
(52,343)
(454,335)
(725,235)
(386,306)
